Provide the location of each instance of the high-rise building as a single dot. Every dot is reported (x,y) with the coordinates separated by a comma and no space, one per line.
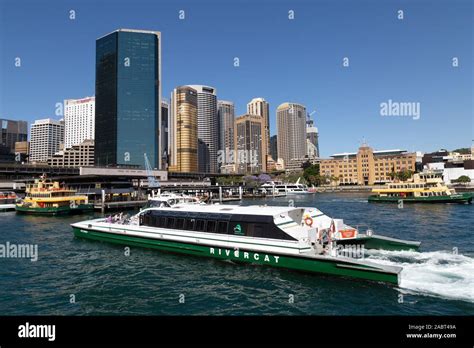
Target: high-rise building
(226,116)
(291,125)
(81,155)
(274,147)
(208,132)
(259,106)
(250,140)
(11,132)
(46,138)
(312,138)
(128,98)
(79,120)
(165,111)
(183,130)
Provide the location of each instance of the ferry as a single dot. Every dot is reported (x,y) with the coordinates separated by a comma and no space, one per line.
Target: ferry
(48,197)
(278,187)
(170,199)
(425,187)
(8,201)
(301,239)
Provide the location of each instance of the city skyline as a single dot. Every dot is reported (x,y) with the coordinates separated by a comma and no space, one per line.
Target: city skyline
(381,72)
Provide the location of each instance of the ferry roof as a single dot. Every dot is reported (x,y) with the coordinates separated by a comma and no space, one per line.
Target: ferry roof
(231,209)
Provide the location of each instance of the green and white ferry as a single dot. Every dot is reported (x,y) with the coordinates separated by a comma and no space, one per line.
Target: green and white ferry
(296,238)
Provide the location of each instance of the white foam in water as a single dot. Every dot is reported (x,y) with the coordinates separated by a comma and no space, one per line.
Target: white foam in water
(437,273)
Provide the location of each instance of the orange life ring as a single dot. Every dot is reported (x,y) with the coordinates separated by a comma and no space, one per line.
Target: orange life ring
(348,233)
(308,221)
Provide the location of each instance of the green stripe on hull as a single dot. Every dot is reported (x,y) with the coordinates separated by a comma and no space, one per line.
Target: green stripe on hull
(458,198)
(55,211)
(330,266)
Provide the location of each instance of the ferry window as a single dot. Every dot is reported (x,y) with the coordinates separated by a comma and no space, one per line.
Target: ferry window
(179,223)
(199,225)
(189,224)
(211,226)
(222,227)
(170,222)
(161,221)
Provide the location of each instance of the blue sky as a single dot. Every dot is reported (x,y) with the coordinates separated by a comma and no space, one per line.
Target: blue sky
(281,60)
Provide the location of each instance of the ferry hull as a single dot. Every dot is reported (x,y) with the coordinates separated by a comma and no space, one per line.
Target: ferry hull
(298,262)
(55,211)
(381,243)
(457,198)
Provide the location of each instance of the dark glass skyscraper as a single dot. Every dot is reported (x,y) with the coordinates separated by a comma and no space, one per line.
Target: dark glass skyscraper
(128,98)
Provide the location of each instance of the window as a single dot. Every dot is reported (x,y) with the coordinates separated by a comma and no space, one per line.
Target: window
(189,224)
(179,223)
(170,222)
(211,226)
(199,225)
(222,227)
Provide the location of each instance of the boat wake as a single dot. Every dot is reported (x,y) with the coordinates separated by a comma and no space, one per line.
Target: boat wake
(438,273)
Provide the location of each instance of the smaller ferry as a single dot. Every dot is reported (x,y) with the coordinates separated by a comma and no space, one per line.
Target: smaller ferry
(8,200)
(50,198)
(425,187)
(302,239)
(170,199)
(279,187)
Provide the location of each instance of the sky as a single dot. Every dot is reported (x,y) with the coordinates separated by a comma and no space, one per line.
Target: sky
(300,60)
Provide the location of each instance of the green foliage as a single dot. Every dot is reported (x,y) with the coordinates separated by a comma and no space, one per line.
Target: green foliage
(463,179)
(229,180)
(463,151)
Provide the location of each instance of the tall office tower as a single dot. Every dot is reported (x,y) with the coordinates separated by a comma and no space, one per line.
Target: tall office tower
(274,147)
(291,127)
(79,121)
(165,111)
(250,143)
(208,132)
(46,138)
(259,106)
(128,98)
(312,138)
(11,132)
(226,116)
(183,130)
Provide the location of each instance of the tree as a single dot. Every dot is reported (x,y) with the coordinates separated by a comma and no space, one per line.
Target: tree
(463,179)
(404,175)
(463,151)
(311,173)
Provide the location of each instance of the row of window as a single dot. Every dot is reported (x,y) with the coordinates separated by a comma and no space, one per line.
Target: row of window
(190,224)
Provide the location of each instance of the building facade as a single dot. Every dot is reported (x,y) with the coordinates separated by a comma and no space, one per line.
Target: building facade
(250,144)
(128,98)
(164,133)
(11,132)
(259,106)
(291,128)
(274,147)
(183,130)
(81,155)
(46,138)
(312,138)
(367,167)
(226,116)
(79,120)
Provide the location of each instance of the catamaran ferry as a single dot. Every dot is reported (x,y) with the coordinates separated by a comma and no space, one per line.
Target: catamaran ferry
(278,187)
(302,239)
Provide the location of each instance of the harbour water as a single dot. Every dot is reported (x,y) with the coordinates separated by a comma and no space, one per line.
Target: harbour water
(81,277)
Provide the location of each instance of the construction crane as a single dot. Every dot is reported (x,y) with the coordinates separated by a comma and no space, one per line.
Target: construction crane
(152,181)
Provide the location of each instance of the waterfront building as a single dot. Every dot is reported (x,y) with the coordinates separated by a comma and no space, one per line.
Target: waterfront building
(367,167)
(22,148)
(11,132)
(312,138)
(164,133)
(226,116)
(296,164)
(183,130)
(250,140)
(81,155)
(208,132)
(79,120)
(259,106)
(46,138)
(291,127)
(128,98)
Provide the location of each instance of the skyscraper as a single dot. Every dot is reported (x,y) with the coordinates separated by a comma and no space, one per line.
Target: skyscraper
(128,98)
(183,130)
(208,132)
(10,133)
(259,106)
(226,116)
(79,121)
(312,138)
(165,112)
(274,147)
(250,143)
(291,126)
(47,138)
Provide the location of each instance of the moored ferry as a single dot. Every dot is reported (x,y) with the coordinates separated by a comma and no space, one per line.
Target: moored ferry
(302,239)
(425,187)
(48,197)
(279,187)
(8,200)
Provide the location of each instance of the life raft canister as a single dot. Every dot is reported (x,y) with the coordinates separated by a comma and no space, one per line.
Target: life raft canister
(308,221)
